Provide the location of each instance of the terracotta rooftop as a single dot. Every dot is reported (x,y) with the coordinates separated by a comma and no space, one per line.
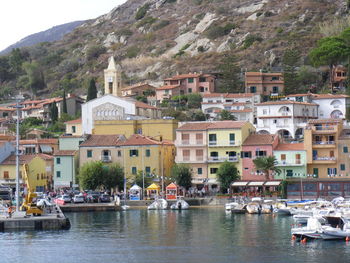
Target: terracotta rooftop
(6,109)
(263,73)
(299,95)
(168,87)
(259,139)
(290,147)
(140,104)
(137,139)
(283,102)
(190,75)
(77,121)
(329,96)
(65,153)
(39,141)
(102,140)
(228,95)
(211,125)
(25,158)
(325,121)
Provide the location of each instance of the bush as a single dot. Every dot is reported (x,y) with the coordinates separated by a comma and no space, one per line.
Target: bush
(94,52)
(250,40)
(200,49)
(142,11)
(124,32)
(215,31)
(146,21)
(132,51)
(161,24)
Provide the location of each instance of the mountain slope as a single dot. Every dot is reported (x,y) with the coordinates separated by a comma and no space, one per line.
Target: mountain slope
(153,39)
(53,34)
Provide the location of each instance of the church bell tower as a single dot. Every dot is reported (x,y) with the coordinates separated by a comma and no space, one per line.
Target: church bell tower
(113,78)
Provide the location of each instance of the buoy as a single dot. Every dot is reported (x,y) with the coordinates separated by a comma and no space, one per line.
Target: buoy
(294,237)
(347,239)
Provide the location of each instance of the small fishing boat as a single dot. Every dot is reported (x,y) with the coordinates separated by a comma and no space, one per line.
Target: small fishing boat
(179,205)
(158,204)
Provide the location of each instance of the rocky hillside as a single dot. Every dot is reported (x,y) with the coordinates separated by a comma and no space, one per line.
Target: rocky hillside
(153,39)
(53,34)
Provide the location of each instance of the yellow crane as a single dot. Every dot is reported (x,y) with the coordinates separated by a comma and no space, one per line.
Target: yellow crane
(28,205)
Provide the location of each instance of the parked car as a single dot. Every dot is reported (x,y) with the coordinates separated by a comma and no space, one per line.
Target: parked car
(66,198)
(78,199)
(104,198)
(93,197)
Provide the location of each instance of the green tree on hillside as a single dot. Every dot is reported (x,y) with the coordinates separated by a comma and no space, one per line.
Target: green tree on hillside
(91,90)
(225,115)
(330,51)
(290,61)
(35,74)
(64,110)
(230,73)
(53,112)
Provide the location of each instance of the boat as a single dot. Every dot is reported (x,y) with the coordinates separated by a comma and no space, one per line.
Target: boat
(337,227)
(259,206)
(180,205)
(158,204)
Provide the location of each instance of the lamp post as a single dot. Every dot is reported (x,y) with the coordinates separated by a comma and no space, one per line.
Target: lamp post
(18,107)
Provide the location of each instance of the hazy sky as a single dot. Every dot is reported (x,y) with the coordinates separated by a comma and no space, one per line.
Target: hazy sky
(20,18)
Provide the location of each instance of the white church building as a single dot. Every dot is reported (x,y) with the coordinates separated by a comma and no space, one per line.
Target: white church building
(112,106)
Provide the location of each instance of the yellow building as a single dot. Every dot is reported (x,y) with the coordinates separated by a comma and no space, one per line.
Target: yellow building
(225,140)
(40,168)
(145,154)
(156,127)
(321,139)
(74,127)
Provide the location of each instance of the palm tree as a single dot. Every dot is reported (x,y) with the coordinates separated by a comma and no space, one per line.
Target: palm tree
(266,164)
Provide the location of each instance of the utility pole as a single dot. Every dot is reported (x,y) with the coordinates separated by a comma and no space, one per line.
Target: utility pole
(18,106)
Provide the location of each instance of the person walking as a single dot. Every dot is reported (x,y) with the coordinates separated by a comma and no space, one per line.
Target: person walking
(9,210)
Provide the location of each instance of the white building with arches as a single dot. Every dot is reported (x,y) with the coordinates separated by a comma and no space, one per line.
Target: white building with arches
(286,117)
(111,106)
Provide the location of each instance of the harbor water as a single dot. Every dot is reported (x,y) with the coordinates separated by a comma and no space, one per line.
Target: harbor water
(202,235)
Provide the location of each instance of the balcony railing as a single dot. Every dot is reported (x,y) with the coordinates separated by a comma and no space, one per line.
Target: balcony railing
(232,142)
(106,158)
(286,163)
(323,142)
(324,158)
(185,142)
(223,159)
(211,143)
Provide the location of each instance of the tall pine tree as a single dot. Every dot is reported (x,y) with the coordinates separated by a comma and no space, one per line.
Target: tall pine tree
(290,61)
(92,90)
(64,110)
(230,73)
(54,112)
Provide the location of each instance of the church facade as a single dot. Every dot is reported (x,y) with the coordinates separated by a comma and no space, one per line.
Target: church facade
(113,107)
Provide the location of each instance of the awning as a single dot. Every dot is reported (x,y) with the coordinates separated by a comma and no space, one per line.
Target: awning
(46,148)
(212,181)
(153,187)
(239,183)
(273,183)
(256,183)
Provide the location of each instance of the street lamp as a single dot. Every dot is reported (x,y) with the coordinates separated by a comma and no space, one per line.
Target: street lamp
(19,98)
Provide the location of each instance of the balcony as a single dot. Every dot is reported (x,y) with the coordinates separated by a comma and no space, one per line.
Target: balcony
(224,143)
(286,163)
(232,142)
(187,159)
(324,129)
(188,143)
(324,160)
(212,143)
(106,158)
(222,159)
(323,144)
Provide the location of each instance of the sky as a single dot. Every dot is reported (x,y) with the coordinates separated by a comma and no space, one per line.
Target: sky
(21,18)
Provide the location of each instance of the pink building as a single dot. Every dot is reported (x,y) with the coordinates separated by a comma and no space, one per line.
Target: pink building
(186,84)
(191,148)
(256,145)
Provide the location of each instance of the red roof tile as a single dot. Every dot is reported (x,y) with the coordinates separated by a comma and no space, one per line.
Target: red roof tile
(228,95)
(290,147)
(77,121)
(168,87)
(140,104)
(211,125)
(25,158)
(65,153)
(259,139)
(137,139)
(102,140)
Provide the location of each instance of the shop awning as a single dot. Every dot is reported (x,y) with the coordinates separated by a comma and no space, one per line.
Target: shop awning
(212,181)
(153,187)
(239,183)
(135,187)
(272,183)
(46,148)
(171,186)
(256,183)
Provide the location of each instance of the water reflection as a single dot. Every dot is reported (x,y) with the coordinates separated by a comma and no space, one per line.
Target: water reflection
(195,235)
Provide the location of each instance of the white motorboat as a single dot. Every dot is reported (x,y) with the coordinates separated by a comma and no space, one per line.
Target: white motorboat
(158,204)
(313,229)
(337,227)
(179,205)
(260,206)
(230,206)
